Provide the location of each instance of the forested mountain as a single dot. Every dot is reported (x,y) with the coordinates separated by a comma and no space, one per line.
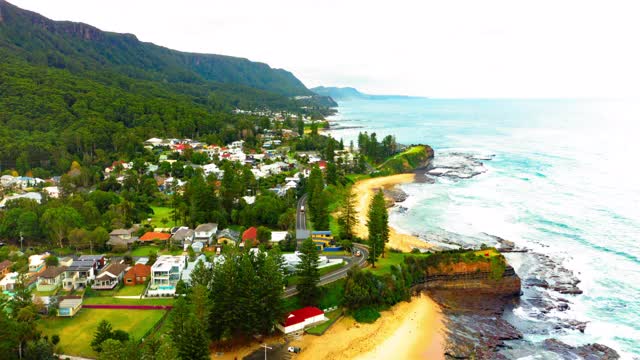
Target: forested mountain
(78,47)
(69,91)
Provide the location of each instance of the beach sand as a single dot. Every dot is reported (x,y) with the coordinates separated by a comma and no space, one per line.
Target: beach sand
(409,330)
(365,189)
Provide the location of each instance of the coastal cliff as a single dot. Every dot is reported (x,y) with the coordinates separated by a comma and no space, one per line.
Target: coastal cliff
(414,158)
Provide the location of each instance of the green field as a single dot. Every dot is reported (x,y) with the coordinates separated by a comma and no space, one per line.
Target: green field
(131,290)
(77,332)
(320,329)
(116,301)
(159,213)
(146,249)
(383,265)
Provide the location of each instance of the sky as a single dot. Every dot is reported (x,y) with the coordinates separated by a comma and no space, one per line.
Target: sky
(453,48)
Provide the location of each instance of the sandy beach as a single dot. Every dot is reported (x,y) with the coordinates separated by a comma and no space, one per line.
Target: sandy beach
(410,330)
(365,189)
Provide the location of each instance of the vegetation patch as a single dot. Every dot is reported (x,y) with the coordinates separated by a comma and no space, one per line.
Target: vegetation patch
(333,316)
(366,315)
(77,332)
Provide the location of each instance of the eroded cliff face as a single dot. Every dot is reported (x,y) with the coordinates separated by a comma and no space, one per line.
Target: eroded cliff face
(475,278)
(473,300)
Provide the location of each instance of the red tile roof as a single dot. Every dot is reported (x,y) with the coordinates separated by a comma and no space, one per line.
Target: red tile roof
(300,315)
(152,236)
(5,264)
(250,234)
(139,270)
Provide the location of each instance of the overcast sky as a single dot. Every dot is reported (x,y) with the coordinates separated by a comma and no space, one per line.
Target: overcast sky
(443,48)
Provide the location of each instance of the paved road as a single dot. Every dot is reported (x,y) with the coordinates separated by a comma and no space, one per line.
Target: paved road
(301,219)
(340,273)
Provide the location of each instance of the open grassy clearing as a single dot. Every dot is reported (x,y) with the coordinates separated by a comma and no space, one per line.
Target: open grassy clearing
(77,332)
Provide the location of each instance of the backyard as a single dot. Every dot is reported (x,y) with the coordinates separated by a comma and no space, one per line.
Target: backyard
(145,250)
(77,332)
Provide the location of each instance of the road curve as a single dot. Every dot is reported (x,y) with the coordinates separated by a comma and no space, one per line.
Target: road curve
(360,261)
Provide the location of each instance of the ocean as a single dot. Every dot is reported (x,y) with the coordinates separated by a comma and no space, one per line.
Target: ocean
(559,177)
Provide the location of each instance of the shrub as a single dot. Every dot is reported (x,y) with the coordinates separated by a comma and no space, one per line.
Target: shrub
(366,315)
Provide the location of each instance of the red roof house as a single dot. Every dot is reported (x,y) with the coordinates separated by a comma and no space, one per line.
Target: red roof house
(322,164)
(250,234)
(138,274)
(155,236)
(302,318)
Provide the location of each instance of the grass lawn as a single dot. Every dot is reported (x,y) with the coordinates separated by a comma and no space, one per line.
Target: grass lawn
(383,265)
(116,301)
(293,280)
(131,290)
(46,293)
(319,330)
(159,213)
(145,250)
(77,332)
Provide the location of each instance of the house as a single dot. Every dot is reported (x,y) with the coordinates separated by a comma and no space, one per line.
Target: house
(8,282)
(251,235)
(154,236)
(322,239)
(277,236)
(65,261)
(5,268)
(99,260)
(52,191)
(122,237)
(204,233)
(302,318)
(79,274)
(165,274)
(35,196)
(69,305)
(197,246)
(109,277)
(37,263)
(186,274)
(137,274)
(228,236)
(51,278)
(183,236)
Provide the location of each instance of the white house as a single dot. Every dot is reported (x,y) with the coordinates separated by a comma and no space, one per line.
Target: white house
(165,274)
(52,191)
(36,262)
(204,233)
(109,277)
(302,318)
(35,196)
(8,282)
(277,236)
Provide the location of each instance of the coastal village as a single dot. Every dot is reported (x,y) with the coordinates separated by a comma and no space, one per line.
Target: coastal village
(142,268)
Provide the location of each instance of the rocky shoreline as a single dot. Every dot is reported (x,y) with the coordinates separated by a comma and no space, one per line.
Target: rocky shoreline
(483,326)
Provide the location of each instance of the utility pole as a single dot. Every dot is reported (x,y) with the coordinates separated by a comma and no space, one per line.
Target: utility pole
(21,240)
(265,350)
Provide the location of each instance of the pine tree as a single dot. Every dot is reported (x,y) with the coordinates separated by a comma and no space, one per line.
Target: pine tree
(348,218)
(378,224)
(332,173)
(307,270)
(320,211)
(187,333)
(104,332)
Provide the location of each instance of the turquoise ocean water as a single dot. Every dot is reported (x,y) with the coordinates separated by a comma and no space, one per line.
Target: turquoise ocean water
(564,182)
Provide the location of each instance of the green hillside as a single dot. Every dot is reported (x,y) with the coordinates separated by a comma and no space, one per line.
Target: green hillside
(69,91)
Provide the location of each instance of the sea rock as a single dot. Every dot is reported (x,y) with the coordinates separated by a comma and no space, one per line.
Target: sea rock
(396,194)
(455,165)
(587,352)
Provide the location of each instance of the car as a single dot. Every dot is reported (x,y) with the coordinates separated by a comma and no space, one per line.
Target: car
(294,349)
(358,253)
(301,208)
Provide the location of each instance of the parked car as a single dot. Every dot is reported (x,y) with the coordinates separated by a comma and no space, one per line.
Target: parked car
(293,349)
